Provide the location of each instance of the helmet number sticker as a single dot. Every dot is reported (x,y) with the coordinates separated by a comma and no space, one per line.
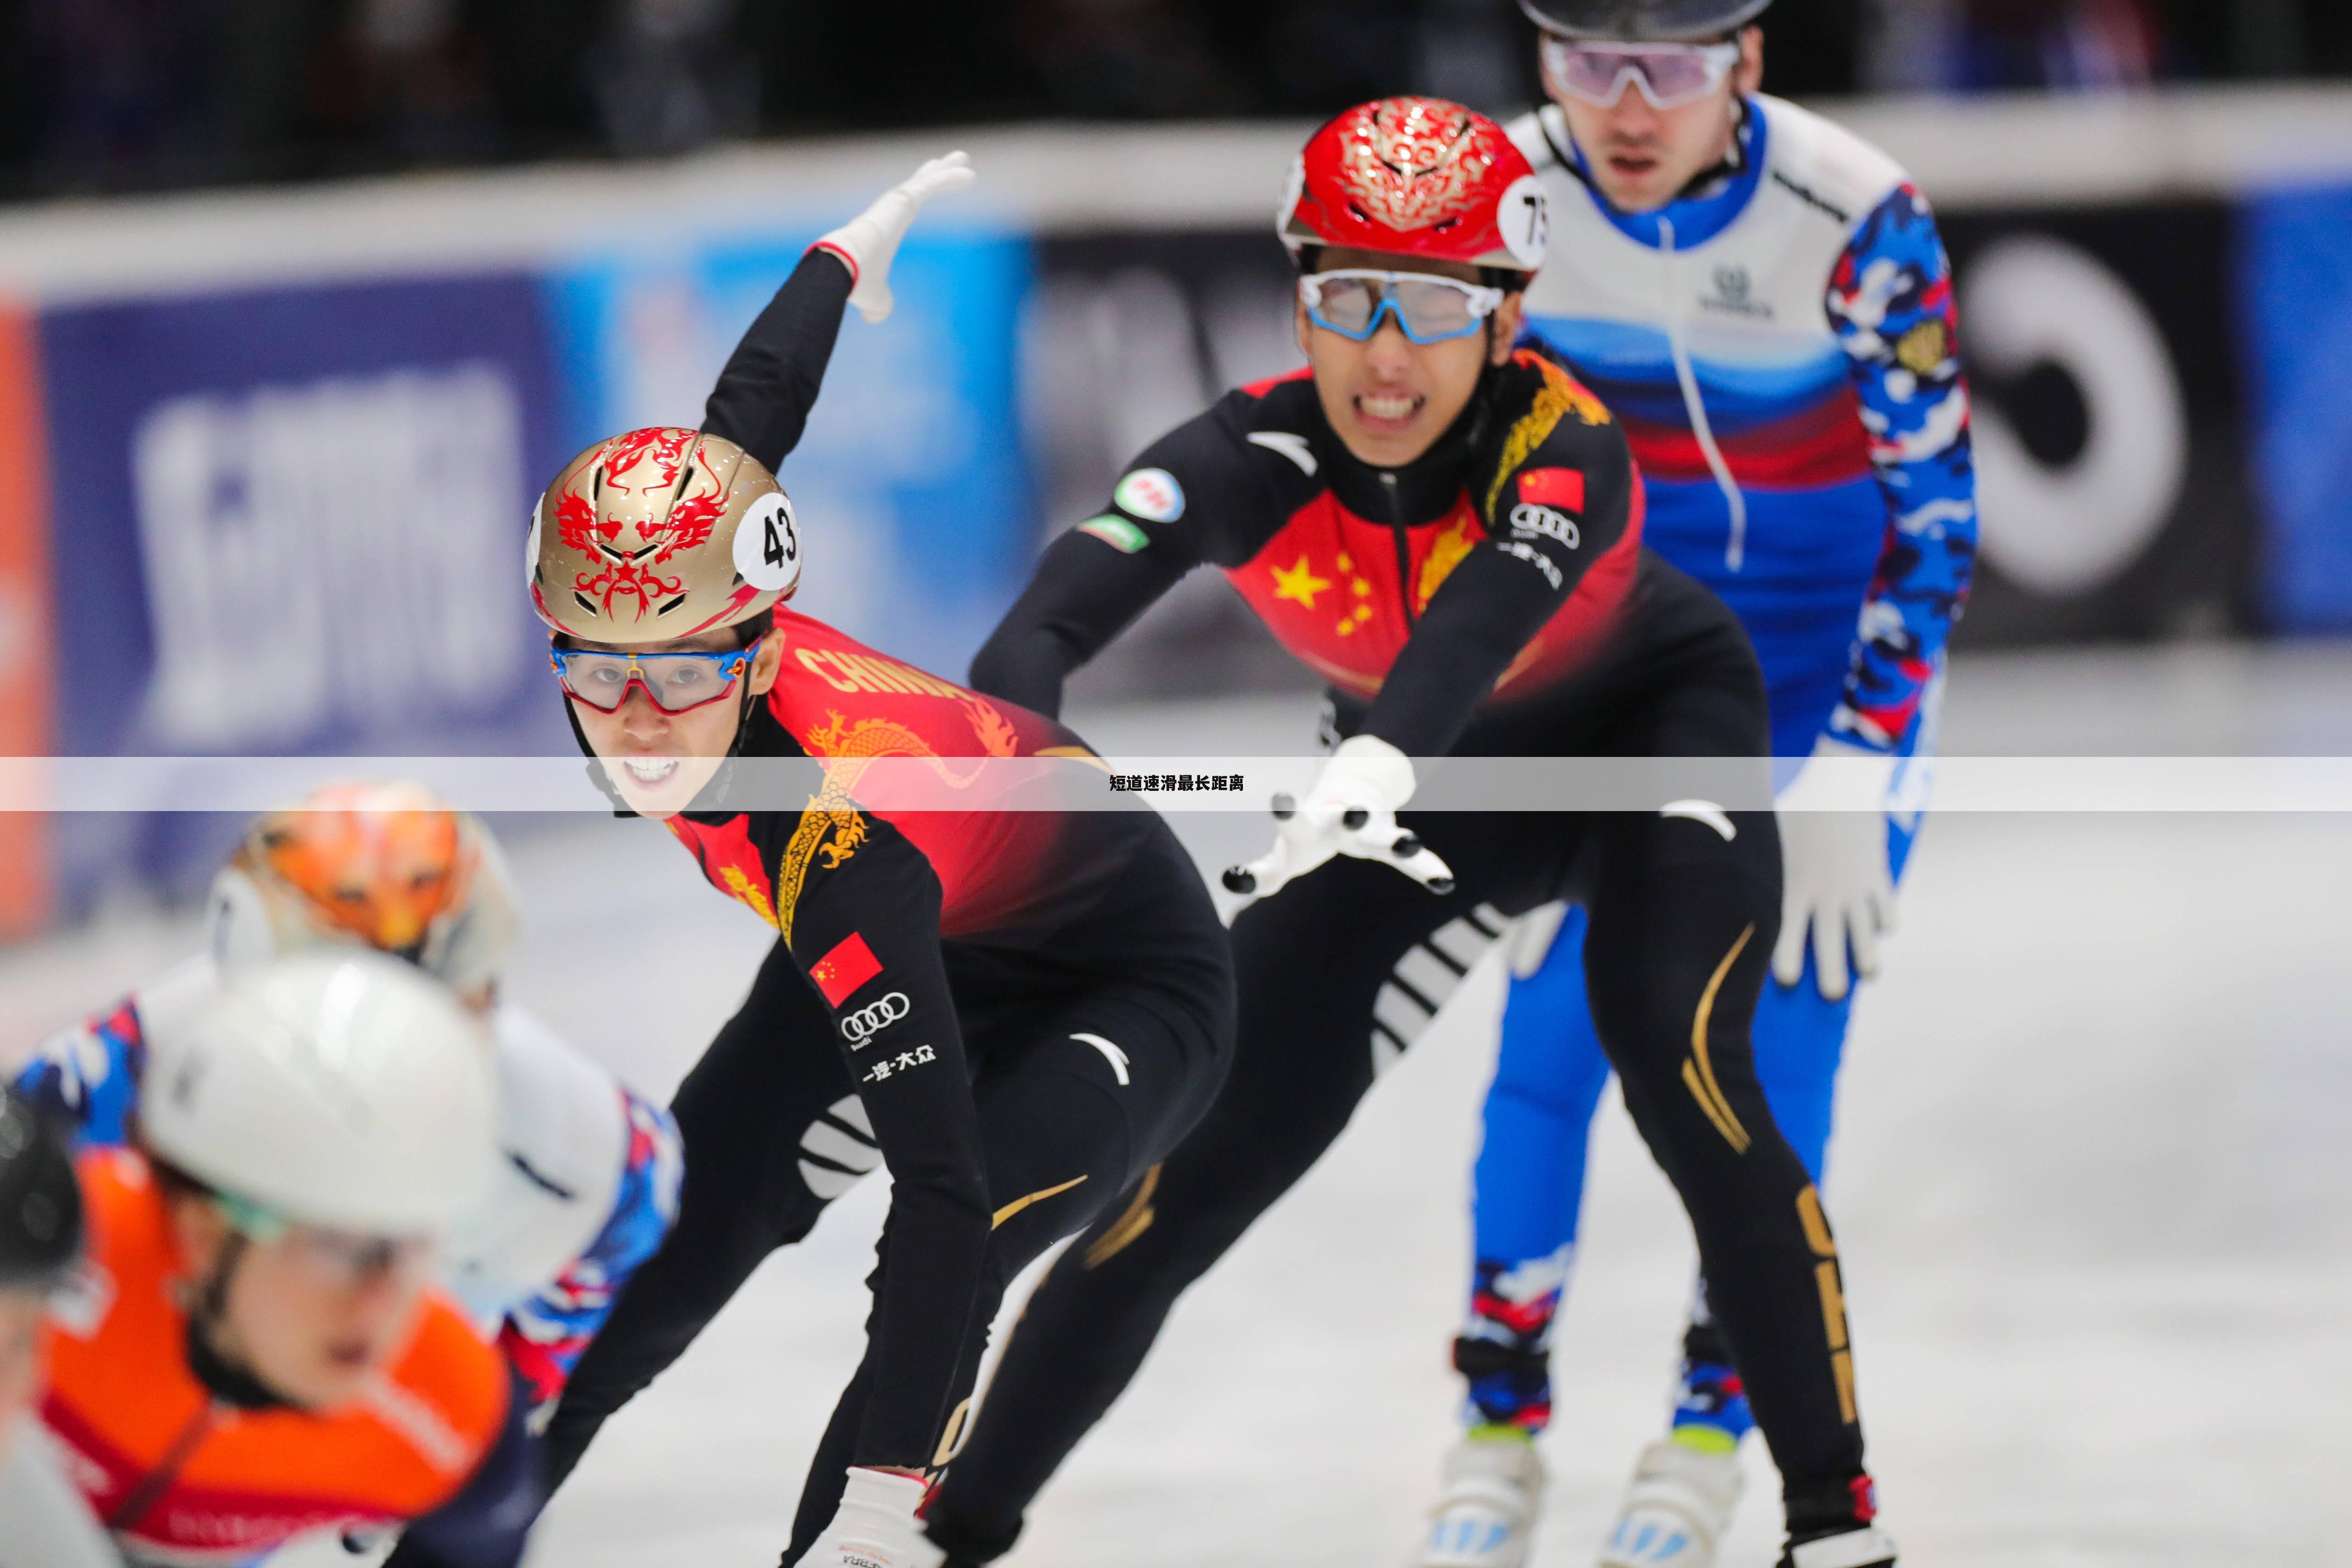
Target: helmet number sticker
(768,544)
(1525,221)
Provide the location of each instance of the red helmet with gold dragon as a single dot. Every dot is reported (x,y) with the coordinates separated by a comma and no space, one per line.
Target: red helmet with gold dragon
(1417,176)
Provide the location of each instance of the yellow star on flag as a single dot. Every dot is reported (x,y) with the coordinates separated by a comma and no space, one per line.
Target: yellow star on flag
(1299,583)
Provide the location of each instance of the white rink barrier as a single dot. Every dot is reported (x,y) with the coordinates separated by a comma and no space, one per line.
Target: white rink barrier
(1998,150)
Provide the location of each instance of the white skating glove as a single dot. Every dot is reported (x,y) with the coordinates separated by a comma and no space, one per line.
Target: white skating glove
(875,1527)
(1835,879)
(1531,937)
(870,241)
(1351,810)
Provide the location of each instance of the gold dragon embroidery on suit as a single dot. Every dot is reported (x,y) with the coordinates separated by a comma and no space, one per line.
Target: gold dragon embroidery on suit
(831,827)
(746,893)
(1446,551)
(1559,396)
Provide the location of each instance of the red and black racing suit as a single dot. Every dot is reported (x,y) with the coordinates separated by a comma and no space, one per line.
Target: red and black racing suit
(1491,598)
(1018,1011)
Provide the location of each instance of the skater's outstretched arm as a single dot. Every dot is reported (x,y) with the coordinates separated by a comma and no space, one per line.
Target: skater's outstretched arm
(1200,493)
(1085,593)
(763,399)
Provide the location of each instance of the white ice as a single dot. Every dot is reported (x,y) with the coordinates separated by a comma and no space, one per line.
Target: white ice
(2090,1183)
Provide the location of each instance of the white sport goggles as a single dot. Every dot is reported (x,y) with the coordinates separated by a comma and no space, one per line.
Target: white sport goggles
(1669,75)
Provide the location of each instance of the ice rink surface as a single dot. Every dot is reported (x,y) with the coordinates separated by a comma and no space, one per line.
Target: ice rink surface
(2091,1183)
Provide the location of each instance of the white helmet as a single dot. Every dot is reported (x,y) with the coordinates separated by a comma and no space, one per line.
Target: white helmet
(341,1090)
(382,865)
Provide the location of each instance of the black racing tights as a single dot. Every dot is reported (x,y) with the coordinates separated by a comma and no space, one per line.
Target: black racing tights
(1337,974)
(774,1131)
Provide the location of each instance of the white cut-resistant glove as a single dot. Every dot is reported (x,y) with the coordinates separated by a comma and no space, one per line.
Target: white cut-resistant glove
(868,241)
(875,1527)
(1835,882)
(1531,937)
(1351,810)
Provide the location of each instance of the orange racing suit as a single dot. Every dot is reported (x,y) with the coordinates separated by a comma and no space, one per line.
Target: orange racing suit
(182,1474)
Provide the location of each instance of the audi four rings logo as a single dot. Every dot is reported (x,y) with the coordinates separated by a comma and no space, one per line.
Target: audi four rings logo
(1528,518)
(872,1018)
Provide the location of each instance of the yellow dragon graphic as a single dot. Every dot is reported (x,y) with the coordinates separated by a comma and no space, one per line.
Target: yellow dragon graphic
(831,827)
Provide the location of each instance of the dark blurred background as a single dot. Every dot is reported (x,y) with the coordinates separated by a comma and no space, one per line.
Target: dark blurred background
(116,95)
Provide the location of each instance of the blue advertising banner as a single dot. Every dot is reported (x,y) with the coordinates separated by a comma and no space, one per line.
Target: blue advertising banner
(2294,298)
(910,485)
(290,521)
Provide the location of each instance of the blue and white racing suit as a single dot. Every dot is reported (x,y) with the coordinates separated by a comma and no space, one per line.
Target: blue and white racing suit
(1779,346)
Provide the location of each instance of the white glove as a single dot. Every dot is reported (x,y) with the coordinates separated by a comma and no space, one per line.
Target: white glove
(868,241)
(875,1527)
(1351,810)
(1531,937)
(1835,880)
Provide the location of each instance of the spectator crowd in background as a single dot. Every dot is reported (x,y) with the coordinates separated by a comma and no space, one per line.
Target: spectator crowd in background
(101,95)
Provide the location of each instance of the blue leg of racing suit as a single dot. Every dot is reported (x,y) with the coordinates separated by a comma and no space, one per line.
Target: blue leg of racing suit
(1529,1178)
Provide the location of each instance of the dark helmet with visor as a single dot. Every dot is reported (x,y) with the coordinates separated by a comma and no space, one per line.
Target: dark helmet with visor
(40,1200)
(1642,21)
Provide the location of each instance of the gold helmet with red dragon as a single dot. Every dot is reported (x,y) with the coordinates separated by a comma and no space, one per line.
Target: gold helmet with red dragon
(658,535)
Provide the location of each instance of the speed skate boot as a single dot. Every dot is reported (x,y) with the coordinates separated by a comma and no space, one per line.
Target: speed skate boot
(1866,1547)
(1676,1510)
(1493,1479)
(1835,1529)
(1486,1516)
(1686,1487)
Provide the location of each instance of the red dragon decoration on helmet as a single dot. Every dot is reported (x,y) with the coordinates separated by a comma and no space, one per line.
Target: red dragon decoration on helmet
(660,534)
(654,456)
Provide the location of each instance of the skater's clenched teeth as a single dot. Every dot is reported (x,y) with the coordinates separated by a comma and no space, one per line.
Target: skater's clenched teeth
(658,783)
(1393,409)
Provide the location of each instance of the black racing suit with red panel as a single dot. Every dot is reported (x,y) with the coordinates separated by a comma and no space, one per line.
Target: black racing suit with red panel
(1491,598)
(1344,563)
(1018,1011)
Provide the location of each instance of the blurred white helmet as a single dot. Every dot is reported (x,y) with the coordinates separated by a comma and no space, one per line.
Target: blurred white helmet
(382,865)
(345,1091)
